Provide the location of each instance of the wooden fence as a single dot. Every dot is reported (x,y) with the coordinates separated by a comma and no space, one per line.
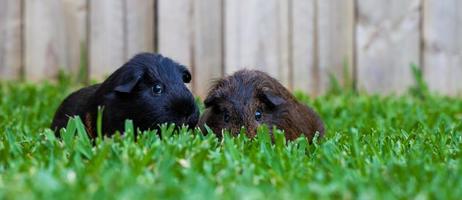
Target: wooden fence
(300,42)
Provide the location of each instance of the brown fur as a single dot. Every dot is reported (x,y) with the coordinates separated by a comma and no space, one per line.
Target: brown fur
(88,125)
(238,97)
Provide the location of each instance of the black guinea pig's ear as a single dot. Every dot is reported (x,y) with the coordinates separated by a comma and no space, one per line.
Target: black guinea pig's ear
(186,76)
(128,83)
(271,99)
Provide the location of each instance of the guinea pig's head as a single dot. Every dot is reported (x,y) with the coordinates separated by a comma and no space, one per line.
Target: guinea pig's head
(150,90)
(246,99)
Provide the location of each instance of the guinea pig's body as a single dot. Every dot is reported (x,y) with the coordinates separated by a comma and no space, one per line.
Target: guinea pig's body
(149,89)
(249,98)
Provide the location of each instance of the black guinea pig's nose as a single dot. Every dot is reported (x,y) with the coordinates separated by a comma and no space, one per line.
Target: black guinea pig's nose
(183,106)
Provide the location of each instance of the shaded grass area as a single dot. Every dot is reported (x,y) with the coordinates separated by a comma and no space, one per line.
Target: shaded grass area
(375,147)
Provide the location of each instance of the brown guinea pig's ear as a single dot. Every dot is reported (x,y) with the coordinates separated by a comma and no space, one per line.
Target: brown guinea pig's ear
(128,84)
(211,100)
(270,99)
(215,96)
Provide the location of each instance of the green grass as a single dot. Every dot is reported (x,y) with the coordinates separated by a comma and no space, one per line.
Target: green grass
(376,147)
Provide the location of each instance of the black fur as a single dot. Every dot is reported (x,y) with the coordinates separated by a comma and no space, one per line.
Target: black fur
(129,93)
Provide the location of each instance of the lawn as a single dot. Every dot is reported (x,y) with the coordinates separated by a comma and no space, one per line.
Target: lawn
(376,147)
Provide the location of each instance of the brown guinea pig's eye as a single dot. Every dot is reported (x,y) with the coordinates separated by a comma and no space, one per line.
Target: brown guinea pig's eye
(226,117)
(186,77)
(158,89)
(258,115)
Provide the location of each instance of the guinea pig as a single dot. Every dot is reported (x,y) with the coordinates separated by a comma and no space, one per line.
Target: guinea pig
(149,90)
(249,98)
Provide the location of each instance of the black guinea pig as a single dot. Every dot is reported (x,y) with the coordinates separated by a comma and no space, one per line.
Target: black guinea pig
(149,89)
(249,98)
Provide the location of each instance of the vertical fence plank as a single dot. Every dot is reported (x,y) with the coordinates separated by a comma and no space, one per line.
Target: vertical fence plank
(75,16)
(208,60)
(283,45)
(119,30)
(51,43)
(44,39)
(443,45)
(190,32)
(388,41)
(335,40)
(139,26)
(175,30)
(254,36)
(302,45)
(10,39)
(107,37)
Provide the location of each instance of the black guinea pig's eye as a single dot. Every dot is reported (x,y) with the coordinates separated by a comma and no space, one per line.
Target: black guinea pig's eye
(226,117)
(258,115)
(157,89)
(186,77)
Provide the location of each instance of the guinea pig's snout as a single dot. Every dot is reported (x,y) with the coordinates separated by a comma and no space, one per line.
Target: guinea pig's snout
(186,111)
(183,107)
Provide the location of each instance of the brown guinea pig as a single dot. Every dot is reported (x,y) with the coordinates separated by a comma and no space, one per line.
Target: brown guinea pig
(249,98)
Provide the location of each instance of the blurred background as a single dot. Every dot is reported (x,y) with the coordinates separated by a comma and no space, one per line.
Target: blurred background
(365,44)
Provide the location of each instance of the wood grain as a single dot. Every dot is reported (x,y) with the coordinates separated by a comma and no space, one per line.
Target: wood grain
(51,38)
(256,37)
(388,41)
(107,37)
(303,45)
(299,42)
(175,30)
(334,41)
(75,16)
(442,30)
(10,39)
(208,40)
(140,26)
